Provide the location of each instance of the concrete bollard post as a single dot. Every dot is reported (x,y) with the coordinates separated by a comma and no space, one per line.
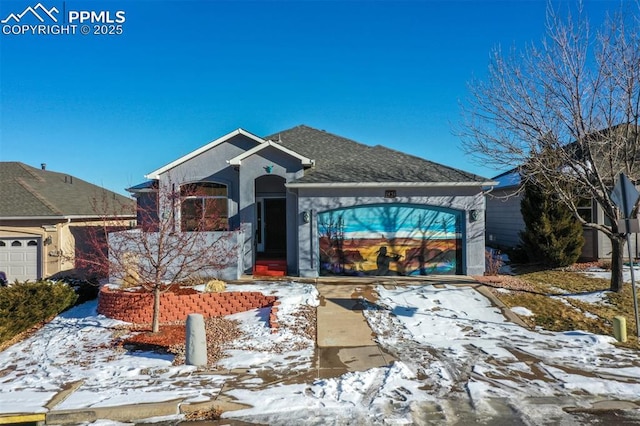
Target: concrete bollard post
(196,347)
(620,328)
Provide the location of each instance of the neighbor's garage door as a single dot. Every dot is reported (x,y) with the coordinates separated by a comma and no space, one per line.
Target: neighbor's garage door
(19,258)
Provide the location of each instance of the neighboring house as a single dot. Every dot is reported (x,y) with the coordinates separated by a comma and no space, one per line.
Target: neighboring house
(504,220)
(613,149)
(311,203)
(43,215)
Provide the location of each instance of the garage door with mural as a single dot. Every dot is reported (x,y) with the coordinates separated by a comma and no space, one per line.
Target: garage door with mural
(19,258)
(390,239)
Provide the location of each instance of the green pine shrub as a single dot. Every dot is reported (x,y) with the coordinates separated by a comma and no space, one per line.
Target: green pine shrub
(552,234)
(24,305)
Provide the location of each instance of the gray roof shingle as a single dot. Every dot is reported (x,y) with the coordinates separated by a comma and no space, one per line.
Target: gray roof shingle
(26,191)
(342,160)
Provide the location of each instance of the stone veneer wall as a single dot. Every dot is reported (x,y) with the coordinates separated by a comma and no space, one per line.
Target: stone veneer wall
(137,307)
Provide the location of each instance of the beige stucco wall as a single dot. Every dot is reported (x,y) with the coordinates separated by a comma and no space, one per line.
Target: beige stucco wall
(57,241)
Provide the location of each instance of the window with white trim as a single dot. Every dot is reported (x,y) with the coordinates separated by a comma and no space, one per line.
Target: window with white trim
(204,207)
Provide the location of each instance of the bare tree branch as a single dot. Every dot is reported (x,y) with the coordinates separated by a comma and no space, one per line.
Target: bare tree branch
(568,108)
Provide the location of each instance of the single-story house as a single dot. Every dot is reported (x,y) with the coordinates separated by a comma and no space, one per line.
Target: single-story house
(312,203)
(42,218)
(504,220)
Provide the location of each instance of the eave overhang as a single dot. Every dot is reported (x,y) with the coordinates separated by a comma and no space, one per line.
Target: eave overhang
(389,184)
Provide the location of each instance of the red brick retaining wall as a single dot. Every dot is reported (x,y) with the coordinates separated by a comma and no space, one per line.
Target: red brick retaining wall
(137,307)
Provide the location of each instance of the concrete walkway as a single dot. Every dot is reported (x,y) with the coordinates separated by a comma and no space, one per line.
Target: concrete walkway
(345,340)
(340,318)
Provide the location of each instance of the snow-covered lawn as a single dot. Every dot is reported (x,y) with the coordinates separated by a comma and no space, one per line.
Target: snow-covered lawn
(452,347)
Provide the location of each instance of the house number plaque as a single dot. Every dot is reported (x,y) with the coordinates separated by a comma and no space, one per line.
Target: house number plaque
(390,193)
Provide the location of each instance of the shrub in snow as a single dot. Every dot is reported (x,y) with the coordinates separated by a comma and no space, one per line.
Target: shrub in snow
(24,305)
(215,286)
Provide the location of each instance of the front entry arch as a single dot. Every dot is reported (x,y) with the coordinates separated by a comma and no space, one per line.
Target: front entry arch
(271,217)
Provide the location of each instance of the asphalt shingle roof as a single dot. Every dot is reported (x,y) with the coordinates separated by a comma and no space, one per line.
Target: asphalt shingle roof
(26,191)
(342,160)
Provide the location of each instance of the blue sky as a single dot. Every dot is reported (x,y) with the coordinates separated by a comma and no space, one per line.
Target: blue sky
(111,108)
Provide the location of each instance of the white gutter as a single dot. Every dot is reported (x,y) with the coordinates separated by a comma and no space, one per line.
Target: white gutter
(388,184)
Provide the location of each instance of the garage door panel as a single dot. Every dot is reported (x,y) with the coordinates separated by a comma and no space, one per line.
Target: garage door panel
(32,271)
(16,271)
(17,257)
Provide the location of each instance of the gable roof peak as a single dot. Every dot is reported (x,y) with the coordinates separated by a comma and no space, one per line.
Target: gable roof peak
(236,161)
(239,131)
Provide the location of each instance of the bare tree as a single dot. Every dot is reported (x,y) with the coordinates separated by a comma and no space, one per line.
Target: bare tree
(156,254)
(332,242)
(568,109)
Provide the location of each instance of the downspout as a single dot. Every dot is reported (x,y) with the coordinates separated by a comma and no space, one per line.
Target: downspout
(60,250)
(484,193)
(312,258)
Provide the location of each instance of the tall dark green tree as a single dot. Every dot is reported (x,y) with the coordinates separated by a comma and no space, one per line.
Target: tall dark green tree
(552,234)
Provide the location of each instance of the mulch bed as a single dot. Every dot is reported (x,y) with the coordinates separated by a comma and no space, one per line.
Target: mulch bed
(169,335)
(171,339)
(175,288)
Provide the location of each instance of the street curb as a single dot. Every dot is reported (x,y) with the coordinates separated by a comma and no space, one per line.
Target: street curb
(122,413)
(222,403)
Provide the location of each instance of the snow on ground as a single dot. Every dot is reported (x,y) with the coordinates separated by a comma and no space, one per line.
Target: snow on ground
(260,346)
(450,343)
(463,329)
(522,311)
(77,346)
(606,274)
(377,396)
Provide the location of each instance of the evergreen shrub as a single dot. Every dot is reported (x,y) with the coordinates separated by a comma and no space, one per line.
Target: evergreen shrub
(24,305)
(552,235)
